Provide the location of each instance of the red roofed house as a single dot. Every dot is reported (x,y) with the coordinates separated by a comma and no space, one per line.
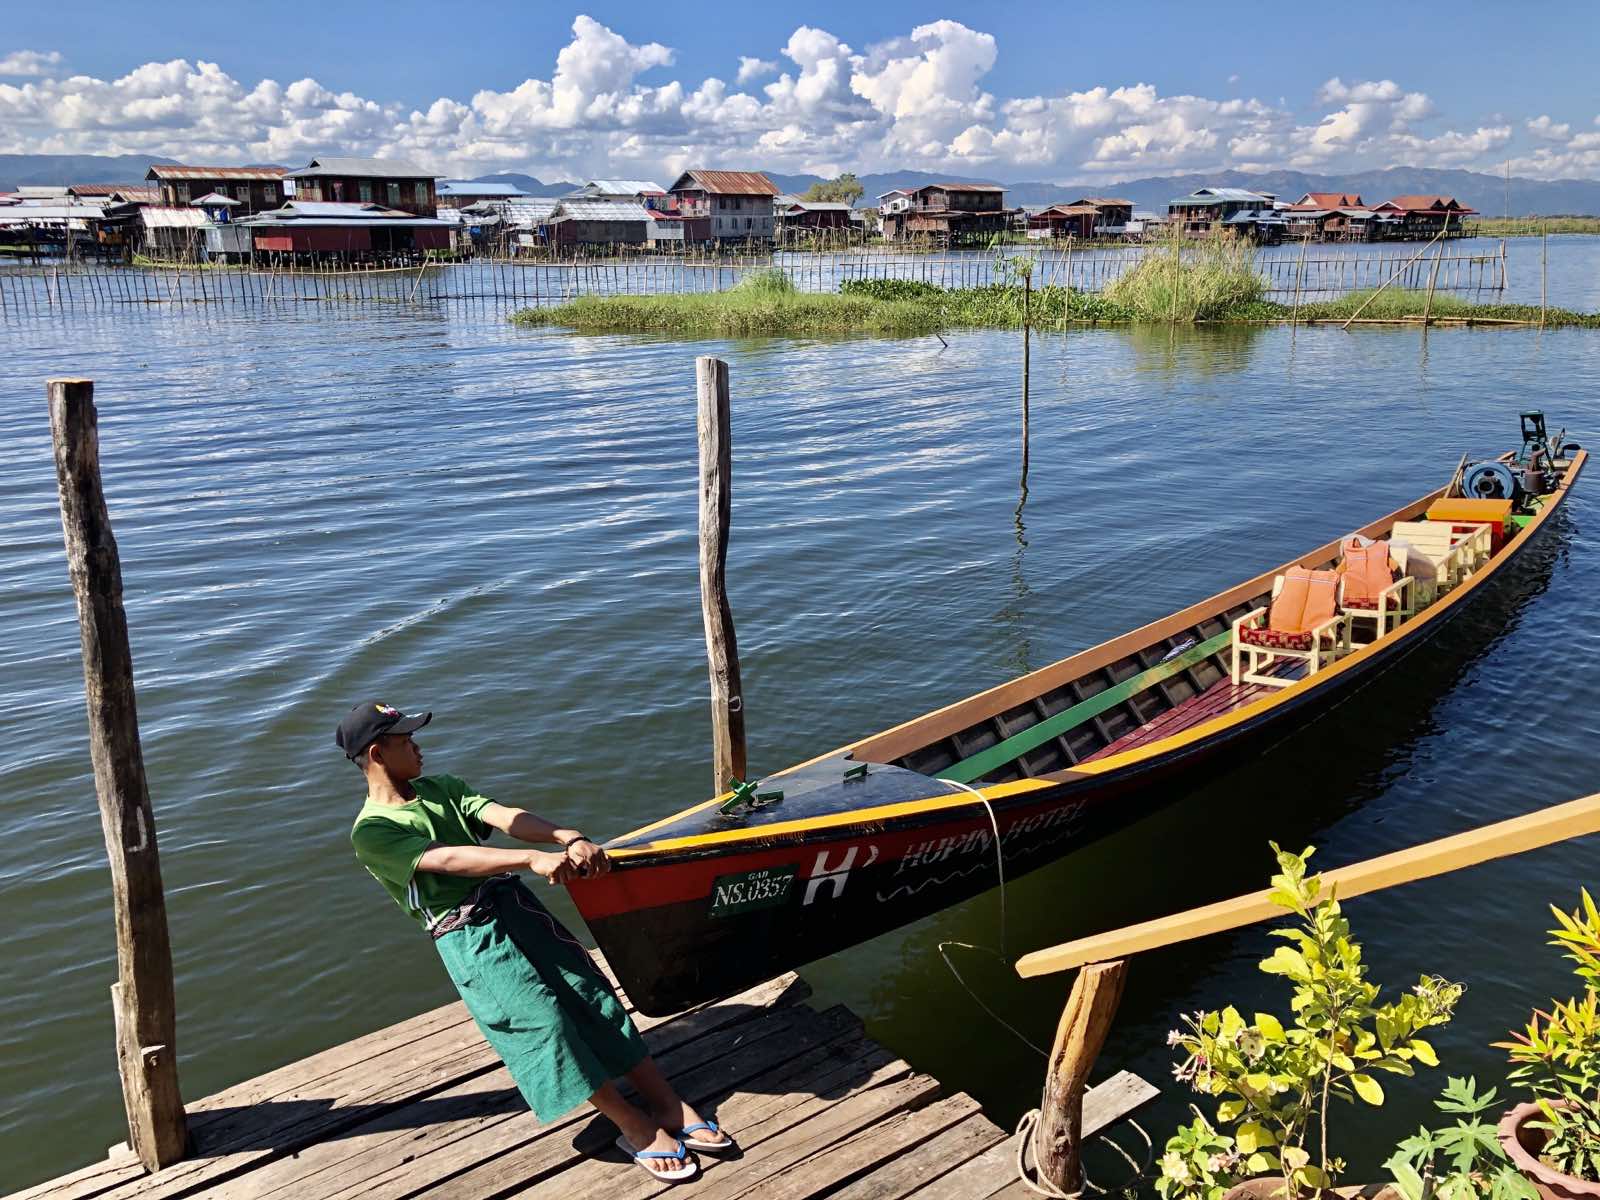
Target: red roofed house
(1426,216)
(948,210)
(725,206)
(257,189)
(1328,200)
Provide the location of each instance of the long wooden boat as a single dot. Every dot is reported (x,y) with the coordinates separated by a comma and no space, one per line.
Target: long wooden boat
(898,825)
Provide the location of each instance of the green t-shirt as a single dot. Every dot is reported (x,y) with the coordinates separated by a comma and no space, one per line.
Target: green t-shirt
(389,839)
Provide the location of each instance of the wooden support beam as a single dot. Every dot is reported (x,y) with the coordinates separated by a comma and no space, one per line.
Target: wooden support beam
(142,998)
(715,434)
(1558,823)
(1080,1034)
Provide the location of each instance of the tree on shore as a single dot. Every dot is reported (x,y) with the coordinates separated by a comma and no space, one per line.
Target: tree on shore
(845,189)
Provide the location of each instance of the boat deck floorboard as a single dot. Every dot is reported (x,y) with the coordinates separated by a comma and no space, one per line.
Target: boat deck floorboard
(425,1109)
(1220,698)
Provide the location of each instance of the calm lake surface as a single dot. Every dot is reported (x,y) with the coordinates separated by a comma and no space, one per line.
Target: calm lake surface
(434,507)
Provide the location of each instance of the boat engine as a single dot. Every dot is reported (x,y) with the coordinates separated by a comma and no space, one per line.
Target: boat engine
(1490,481)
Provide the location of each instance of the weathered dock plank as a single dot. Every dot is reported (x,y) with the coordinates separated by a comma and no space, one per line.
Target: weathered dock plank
(423,1109)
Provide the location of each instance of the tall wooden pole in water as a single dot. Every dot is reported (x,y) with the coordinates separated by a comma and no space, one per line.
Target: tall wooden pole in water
(715,435)
(142,998)
(1544,271)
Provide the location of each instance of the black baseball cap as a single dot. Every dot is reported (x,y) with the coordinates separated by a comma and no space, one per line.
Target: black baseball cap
(369,721)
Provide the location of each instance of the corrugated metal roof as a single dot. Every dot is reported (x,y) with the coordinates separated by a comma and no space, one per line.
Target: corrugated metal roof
(819,205)
(623,187)
(1073,210)
(166,216)
(1212,195)
(377,168)
(272,220)
(525,214)
(728,183)
(103,189)
(599,210)
(23,214)
(964,187)
(211,199)
(468,187)
(1103,200)
(180,171)
(658,215)
(354,210)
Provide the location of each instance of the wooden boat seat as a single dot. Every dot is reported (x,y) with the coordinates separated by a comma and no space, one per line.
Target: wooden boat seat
(1303,621)
(1436,555)
(1374,589)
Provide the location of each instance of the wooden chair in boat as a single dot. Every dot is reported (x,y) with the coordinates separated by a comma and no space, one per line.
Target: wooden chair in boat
(1374,589)
(1435,555)
(1303,621)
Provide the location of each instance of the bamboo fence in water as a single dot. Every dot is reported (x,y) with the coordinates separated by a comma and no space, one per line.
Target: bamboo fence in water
(61,289)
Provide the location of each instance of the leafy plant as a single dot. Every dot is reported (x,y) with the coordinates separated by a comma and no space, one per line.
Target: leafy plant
(1198,1162)
(1475,1163)
(1557,1055)
(1274,1079)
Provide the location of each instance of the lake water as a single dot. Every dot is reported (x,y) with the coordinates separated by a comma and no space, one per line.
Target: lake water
(435,507)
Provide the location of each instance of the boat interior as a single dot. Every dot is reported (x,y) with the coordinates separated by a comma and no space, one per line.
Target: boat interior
(1243,645)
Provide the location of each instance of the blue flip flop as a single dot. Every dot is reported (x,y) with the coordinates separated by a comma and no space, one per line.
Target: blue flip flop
(700,1144)
(686,1169)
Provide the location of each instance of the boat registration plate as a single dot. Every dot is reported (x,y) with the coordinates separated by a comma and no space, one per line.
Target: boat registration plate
(749,890)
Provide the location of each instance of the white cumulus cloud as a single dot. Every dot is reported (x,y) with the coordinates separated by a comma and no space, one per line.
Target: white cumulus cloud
(926,100)
(23,63)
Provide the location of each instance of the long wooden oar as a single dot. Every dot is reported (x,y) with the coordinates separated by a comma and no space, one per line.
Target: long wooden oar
(1543,828)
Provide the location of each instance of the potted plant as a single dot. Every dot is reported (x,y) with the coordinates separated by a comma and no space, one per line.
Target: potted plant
(1273,1079)
(1555,1138)
(1462,1162)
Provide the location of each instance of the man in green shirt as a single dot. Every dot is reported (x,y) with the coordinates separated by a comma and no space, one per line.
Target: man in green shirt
(531,987)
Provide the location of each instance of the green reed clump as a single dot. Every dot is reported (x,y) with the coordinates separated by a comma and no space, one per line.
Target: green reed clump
(771,282)
(739,312)
(1403,304)
(1000,306)
(1184,282)
(890,289)
(1532,226)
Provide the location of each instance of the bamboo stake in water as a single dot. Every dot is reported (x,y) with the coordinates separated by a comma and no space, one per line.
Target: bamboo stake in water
(1388,281)
(1544,270)
(1433,278)
(1299,274)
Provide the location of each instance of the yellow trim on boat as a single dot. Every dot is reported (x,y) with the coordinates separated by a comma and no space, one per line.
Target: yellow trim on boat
(884,812)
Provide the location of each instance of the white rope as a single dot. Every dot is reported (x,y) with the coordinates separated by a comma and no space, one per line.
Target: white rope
(1001,955)
(1029,1126)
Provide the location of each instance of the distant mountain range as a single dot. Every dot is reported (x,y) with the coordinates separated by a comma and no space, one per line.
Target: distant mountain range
(1486,193)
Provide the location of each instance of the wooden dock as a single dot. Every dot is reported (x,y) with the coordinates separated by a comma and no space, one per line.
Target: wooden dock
(424,1108)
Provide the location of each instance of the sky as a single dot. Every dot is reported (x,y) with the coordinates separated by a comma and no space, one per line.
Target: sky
(1060,93)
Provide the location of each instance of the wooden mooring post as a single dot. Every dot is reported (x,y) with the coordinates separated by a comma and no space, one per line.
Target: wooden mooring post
(715,436)
(142,999)
(1080,1034)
